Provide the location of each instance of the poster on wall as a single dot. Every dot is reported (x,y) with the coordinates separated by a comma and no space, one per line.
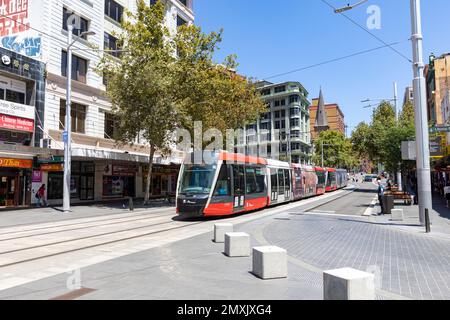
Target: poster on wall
(19,20)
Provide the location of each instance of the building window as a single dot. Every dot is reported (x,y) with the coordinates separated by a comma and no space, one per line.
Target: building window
(277,114)
(12,96)
(280,89)
(110,45)
(295,122)
(295,111)
(265,92)
(113,10)
(111,126)
(266,116)
(277,125)
(283,124)
(84,23)
(79,67)
(78,115)
(180,21)
(294,98)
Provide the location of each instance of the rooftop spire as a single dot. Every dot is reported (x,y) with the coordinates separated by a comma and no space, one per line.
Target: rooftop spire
(321,118)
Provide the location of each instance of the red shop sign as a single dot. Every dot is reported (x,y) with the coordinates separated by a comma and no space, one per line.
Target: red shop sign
(16,123)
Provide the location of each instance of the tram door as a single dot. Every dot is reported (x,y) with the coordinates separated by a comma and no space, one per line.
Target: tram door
(239,188)
(281,186)
(274,185)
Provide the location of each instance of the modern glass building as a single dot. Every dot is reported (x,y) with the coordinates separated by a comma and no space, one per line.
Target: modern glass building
(285,127)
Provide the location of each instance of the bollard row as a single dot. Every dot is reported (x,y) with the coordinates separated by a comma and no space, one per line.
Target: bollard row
(270,262)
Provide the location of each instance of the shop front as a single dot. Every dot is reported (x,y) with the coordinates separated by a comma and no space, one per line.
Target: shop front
(164,179)
(82,182)
(15,182)
(119,180)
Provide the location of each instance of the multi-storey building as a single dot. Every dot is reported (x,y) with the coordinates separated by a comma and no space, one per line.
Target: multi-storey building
(285,125)
(326,117)
(37,31)
(437,75)
(409,95)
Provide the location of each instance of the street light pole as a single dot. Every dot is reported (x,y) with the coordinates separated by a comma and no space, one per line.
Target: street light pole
(421,117)
(67,137)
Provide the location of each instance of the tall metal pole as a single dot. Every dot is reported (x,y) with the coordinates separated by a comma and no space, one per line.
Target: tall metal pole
(67,138)
(397,117)
(421,121)
(322,154)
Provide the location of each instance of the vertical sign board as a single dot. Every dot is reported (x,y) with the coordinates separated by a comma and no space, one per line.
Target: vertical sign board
(17,19)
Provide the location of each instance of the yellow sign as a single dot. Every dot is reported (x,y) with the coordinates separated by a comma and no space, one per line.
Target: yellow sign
(16,163)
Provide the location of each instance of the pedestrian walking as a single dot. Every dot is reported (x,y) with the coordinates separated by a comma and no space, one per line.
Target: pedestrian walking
(380,195)
(40,195)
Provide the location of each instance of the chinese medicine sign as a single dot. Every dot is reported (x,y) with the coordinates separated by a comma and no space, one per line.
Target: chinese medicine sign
(16,123)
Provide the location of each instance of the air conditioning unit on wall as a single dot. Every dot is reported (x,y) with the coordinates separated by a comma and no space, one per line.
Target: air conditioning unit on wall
(46,143)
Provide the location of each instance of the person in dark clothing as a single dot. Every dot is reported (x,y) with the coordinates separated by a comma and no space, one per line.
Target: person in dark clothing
(380,195)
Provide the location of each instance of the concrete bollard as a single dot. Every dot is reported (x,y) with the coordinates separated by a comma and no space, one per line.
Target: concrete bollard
(269,262)
(348,284)
(219,231)
(397,215)
(237,244)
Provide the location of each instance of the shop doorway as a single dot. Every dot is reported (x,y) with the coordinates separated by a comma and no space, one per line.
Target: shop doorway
(8,189)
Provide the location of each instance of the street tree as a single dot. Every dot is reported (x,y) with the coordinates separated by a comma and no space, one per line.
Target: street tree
(161,82)
(139,82)
(337,150)
(214,94)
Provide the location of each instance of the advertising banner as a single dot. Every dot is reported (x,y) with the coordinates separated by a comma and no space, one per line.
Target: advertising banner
(16,123)
(17,19)
(17,110)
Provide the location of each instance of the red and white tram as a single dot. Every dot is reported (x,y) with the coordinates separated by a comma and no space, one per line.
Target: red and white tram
(228,184)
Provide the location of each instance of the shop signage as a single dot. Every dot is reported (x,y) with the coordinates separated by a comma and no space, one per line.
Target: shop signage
(16,123)
(17,110)
(52,159)
(438,144)
(52,167)
(37,176)
(440,129)
(16,163)
(124,170)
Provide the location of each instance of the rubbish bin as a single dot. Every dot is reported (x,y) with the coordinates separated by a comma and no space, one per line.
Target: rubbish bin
(388,204)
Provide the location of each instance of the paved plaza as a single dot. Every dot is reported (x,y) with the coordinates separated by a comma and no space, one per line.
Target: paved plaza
(335,231)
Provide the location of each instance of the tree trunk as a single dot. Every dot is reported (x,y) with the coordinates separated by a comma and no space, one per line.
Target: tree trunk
(149,174)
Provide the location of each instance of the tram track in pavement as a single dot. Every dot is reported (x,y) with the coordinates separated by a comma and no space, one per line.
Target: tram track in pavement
(96,225)
(94,245)
(329,201)
(61,224)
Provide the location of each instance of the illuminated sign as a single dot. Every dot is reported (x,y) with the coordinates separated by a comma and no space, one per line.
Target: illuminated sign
(16,163)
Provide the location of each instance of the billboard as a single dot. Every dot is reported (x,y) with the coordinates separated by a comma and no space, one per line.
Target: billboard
(17,27)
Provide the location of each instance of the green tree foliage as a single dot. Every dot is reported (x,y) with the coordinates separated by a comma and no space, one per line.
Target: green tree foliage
(213,94)
(337,150)
(163,81)
(381,140)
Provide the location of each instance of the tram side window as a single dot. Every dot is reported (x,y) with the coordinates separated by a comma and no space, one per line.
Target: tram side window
(281,181)
(274,180)
(239,180)
(260,180)
(287,180)
(250,184)
(223,183)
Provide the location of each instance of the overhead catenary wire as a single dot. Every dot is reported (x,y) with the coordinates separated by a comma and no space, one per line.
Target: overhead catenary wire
(334,60)
(368,31)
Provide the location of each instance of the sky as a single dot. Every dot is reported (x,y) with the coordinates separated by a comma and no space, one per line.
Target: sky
(271,37)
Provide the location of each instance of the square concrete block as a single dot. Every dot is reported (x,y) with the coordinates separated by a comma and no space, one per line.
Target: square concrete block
(269,262)
(237,244)
(348,284)
(219,231)
(397,215)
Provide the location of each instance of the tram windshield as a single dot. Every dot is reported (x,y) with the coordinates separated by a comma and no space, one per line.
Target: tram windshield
(197,179)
